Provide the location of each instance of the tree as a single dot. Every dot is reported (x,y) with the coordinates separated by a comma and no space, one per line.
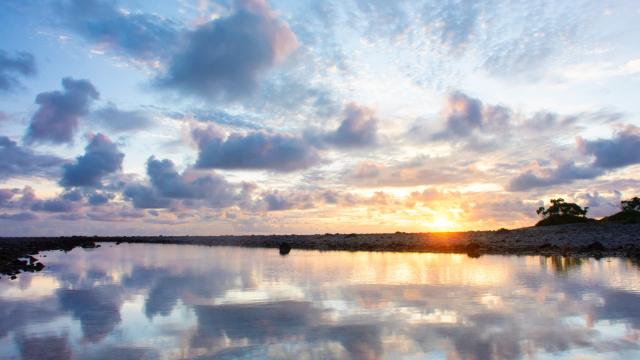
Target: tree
(631,205)
(560,208)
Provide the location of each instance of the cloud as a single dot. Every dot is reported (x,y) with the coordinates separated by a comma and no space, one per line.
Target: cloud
(257,150)
(56,205)
(359,128)
(622,150)
(9,199)
(225,118)
(515,43)
(19,161)
(119,351)
(6,195)
(101,158)
(309,198)
(256,322)
(191,188)
(456,19)
(565,173)
(225,58)
(383,18)
(115,214)
(362,341)
(72,195)
(97,309)
(166,289)
(34,347)
(466,116)
(26,199)
(169,183)
(469,121)
(21,216)
(57,117)
(96,199)
(20,313)
(469,125)
(114,119)
(278,201)
(145,197)
(11,67)
(601,204)
(608,154)
(420,170)
(222,59)
(367,170)
(145,37)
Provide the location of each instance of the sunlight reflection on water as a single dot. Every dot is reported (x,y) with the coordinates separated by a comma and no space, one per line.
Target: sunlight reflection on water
(187,302)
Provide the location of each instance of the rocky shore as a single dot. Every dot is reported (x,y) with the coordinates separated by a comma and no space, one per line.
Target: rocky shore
(577,240)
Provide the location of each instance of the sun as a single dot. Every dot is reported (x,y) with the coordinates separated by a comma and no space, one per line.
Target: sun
(442,223)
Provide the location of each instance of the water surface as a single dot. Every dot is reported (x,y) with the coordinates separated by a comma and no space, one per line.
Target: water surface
(146,301)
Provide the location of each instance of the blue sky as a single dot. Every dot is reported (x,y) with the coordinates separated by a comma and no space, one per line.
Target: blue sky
(251,116)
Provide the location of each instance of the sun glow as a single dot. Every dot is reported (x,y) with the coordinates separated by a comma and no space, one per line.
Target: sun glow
(442,223)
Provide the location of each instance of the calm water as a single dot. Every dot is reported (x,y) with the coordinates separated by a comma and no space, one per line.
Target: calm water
(189,302)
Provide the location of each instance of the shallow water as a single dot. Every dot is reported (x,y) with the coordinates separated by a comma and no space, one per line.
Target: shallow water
(148,301)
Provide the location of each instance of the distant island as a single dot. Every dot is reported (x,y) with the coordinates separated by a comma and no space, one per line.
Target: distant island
(565,230)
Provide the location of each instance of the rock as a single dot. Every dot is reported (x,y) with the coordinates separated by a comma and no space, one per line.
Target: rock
(473,250)
(284,248)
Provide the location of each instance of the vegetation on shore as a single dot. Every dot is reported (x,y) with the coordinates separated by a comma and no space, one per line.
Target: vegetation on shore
(561,213)
(630,213)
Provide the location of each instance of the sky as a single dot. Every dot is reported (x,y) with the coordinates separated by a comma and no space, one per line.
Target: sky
(205,117)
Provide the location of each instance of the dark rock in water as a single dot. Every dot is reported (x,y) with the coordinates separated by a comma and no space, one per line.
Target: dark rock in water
(352,235)
(16,255)
(285,248)
(502,230)
(473,250)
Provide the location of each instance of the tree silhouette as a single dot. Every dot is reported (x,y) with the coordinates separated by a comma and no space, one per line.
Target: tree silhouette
(561,208)
(631,204)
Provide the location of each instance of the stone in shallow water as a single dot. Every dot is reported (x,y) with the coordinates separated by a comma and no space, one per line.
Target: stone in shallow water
(285,248)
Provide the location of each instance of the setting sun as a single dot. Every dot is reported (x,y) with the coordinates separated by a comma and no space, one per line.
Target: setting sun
(442,223)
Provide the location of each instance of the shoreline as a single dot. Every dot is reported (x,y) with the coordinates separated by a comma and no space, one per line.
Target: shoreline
(575,240)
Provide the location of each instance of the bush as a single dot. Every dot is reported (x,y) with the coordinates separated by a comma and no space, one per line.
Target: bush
(630,213)
(631,205)
(561,213)
(559,207)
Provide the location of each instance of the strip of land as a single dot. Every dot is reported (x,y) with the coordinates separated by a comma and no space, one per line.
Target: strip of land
(579,240)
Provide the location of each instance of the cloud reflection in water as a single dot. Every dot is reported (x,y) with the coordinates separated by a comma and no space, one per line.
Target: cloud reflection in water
(166,301)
